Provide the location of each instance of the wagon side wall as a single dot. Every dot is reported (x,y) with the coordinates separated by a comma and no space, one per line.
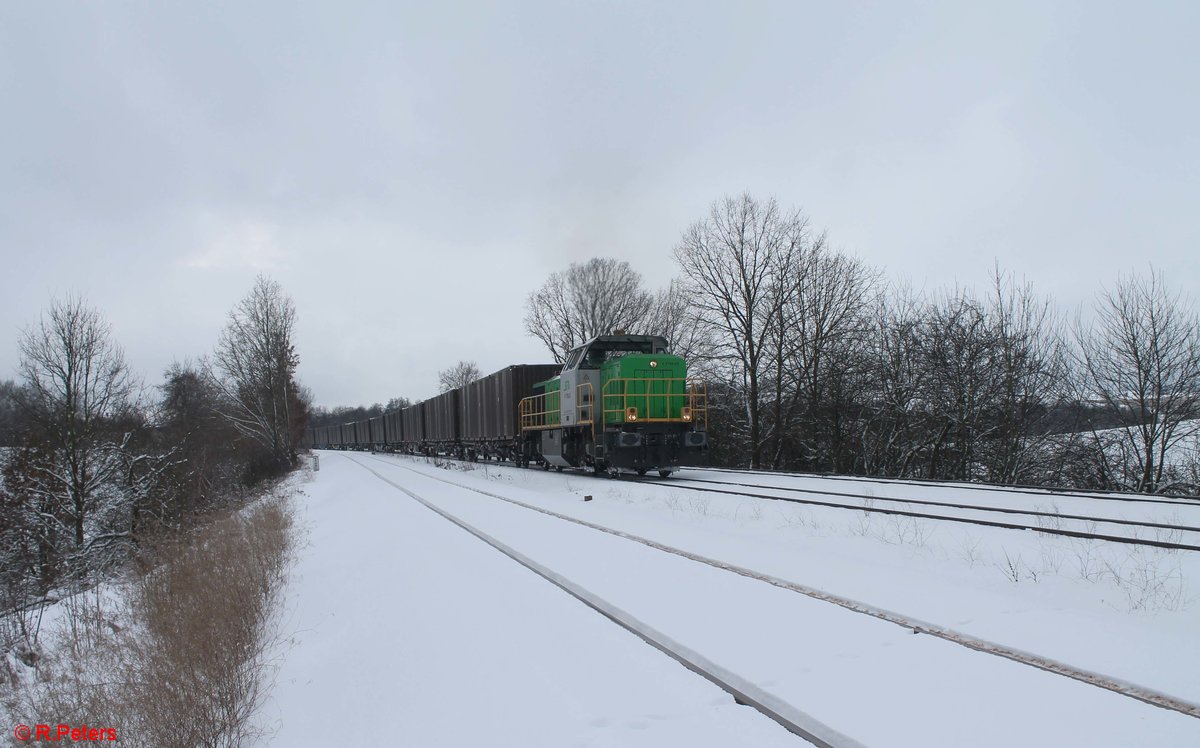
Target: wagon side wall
(442,417)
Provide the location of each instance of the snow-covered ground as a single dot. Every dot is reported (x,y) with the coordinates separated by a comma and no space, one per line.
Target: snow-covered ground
(408,624)
(411,632)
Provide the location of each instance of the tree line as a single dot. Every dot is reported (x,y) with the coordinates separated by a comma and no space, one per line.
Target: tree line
(815,362)
(97,466)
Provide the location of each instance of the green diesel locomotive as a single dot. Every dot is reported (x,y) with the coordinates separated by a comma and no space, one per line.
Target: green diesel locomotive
(620,402)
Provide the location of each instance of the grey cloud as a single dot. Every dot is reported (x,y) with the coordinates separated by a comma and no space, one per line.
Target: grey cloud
(409,172)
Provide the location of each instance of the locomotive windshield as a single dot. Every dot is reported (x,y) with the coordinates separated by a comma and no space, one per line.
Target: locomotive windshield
(598,350)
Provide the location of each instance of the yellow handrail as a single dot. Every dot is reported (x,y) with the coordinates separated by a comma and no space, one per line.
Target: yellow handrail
(535,414)
(694,393)
(583,405)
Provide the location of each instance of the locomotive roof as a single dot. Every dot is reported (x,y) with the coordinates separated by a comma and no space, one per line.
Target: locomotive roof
(581,356)
(643,343)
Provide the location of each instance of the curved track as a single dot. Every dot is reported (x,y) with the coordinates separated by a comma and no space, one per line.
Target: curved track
(1134,691)
(742,690)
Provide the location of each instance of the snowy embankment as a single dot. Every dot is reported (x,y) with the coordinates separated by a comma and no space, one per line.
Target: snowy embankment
(427,619)
(174,655)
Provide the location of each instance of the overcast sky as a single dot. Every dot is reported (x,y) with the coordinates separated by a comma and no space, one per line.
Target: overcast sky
(410,172)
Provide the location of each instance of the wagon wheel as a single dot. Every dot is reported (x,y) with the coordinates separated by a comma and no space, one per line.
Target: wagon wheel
(664,473)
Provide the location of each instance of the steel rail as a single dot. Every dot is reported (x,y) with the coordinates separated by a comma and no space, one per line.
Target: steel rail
(926,502)
(1190,501)
(743,691)
(1134,691)
(679,483)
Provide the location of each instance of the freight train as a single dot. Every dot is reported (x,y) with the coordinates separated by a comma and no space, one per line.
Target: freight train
(618,402)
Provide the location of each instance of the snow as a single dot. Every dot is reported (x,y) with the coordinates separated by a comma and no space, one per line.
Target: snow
(403,617)
(411,632)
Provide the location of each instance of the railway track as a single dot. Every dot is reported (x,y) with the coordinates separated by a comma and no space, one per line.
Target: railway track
(682,483)
(743,691)
(1160,528)
(731,684)
(1036,491)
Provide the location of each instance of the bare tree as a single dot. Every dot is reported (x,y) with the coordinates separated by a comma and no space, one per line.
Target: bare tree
(894,425)
(190,419)
(76,387)
(1030,361)
(733,260)
(76,384)
(9,413)
(255,367)
(1141,360)
(459,375)
(825,324)
(959,346)
(589,299)
(673,317)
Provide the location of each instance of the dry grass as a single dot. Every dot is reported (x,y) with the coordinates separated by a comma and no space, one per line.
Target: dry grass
(184,660)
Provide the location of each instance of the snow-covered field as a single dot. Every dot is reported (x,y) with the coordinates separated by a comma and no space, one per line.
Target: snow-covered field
(410,629)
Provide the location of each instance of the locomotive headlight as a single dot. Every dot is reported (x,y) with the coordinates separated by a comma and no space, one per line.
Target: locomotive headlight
(685,413)
(631,414)
(653,364)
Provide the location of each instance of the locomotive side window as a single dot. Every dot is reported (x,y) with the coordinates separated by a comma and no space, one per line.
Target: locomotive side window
(573,359)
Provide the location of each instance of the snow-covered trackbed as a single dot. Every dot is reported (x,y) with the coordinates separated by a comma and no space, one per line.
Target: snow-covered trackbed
(1132,690)
(406,630)
(1173,536)
(744,691)
(961,486)
(875,685)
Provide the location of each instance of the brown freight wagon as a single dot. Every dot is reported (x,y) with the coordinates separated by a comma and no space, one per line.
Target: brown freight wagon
(412,420)
(442,420)
(489,425)
(392,425)
(378,432)
(362,434)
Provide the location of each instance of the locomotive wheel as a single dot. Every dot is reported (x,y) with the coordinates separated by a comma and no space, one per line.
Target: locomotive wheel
(664,473)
